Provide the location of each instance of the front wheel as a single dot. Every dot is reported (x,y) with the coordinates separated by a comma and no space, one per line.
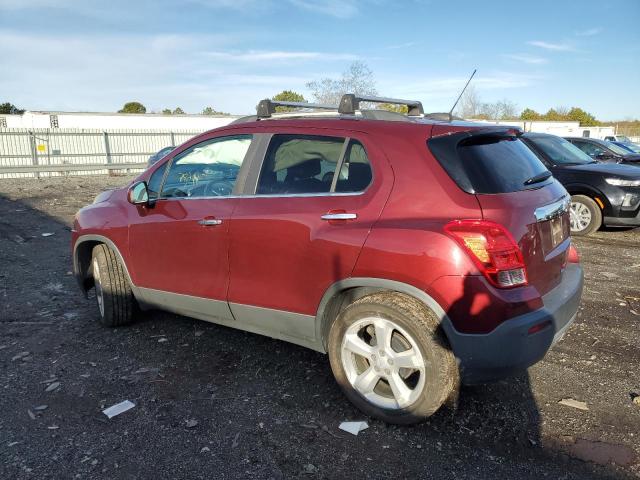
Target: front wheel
(116,304)
(390,358)
(585,215)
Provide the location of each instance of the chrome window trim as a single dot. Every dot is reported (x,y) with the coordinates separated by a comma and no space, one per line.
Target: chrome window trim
(270,195)
(553,210)
(294,195)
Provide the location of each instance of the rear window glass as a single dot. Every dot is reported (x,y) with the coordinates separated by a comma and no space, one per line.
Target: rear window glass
(488,163)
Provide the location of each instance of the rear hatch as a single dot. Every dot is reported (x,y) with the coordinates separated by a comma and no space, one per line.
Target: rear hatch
(515,190)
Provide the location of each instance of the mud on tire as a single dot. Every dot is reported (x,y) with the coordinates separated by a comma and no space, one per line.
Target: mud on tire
(441,376)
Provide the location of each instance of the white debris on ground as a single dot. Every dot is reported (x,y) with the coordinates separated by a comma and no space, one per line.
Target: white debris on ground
(570,402)
(118,408)
(353,427)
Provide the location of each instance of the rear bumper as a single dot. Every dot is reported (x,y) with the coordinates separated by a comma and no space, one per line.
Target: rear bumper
(510,348)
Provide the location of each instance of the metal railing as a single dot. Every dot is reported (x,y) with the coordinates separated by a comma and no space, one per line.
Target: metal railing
(58,152)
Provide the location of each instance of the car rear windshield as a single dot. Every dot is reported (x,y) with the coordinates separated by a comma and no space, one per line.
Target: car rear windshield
(487,163)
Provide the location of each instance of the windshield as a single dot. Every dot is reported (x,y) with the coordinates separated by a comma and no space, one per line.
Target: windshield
(615,148)
(632,147)
(623,138)
(560,151)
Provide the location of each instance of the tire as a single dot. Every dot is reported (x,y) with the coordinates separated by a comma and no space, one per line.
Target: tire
(414,326)
(115,300)
(586,216)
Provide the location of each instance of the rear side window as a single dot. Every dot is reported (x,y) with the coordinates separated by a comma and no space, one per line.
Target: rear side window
(303,164)
(488,163)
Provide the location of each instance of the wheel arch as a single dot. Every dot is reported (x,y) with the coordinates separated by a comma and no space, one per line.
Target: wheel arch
(82,254)
(589,191)
(344,292)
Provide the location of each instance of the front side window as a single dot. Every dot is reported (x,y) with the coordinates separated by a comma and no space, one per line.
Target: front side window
(307,164)
(208,169)
(589,148)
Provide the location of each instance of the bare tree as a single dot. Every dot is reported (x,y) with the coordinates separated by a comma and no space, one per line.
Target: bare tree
(507,109)
(469,105)
(501,110)
(358,79)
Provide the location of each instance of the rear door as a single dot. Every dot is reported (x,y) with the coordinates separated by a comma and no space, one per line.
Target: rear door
(313,202)
(515,189)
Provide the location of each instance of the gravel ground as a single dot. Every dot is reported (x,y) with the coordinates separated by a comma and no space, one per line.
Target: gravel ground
(213,402)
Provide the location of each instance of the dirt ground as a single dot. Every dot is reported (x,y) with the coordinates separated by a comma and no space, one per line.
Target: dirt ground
(213,402)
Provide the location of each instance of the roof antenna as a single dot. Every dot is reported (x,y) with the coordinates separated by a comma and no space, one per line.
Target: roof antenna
(460,96)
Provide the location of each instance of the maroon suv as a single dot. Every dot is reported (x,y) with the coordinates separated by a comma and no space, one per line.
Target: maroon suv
(418,254)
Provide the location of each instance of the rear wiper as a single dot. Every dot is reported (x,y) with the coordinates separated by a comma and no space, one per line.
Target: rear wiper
(541,177)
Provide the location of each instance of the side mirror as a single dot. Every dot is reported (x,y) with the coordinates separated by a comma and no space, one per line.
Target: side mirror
(138,194)
(604,156)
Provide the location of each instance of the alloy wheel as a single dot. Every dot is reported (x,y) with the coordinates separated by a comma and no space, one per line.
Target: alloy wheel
(383,363)
(580,216)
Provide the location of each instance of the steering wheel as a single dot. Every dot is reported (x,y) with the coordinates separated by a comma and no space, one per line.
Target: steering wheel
(218,189)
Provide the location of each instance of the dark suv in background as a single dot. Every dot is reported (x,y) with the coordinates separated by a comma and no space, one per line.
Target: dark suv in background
(418,254)
(603,151)
(601,193)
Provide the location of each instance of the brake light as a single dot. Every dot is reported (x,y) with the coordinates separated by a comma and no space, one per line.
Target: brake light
(493,250)
(573,256)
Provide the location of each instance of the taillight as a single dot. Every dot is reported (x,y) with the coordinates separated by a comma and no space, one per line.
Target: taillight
(573,256)
(493,250)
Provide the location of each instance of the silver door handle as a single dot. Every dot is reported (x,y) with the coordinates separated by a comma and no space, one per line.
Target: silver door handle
(209,221)
(339,216)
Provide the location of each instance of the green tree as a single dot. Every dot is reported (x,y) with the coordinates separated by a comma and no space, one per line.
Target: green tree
(133,107)
(529,114)
(212,111)
(585,118)
(392,107)
(288,96)
(10,109)
(178,111)
(552,115)
(166,111)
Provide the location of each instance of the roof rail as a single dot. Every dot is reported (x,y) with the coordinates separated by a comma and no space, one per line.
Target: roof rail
(267,107)
(350,103)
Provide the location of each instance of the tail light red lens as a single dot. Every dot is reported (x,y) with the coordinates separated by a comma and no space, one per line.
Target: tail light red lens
(573,256)
(493,250)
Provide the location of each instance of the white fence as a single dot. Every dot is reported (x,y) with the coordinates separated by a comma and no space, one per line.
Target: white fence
(69,151)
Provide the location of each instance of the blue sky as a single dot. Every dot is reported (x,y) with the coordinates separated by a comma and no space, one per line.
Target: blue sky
(93,55)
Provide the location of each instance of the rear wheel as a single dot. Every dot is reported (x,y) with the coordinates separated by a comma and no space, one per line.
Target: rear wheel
(390,358)
(585,215)
(116,304)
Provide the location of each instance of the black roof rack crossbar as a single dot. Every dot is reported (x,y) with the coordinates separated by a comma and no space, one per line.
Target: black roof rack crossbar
(350,103)
(267,107)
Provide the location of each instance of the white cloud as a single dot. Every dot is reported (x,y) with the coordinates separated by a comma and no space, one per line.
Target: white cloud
(191,71)
(335,8)
(449,87)
(525,58)
(557,47)
(275,56)
(590,32)
(401,46)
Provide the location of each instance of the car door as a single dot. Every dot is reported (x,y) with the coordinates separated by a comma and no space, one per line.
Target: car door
(302,226)
(179,243)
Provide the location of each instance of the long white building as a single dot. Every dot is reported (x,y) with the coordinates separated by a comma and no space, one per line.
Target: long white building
(110,121)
